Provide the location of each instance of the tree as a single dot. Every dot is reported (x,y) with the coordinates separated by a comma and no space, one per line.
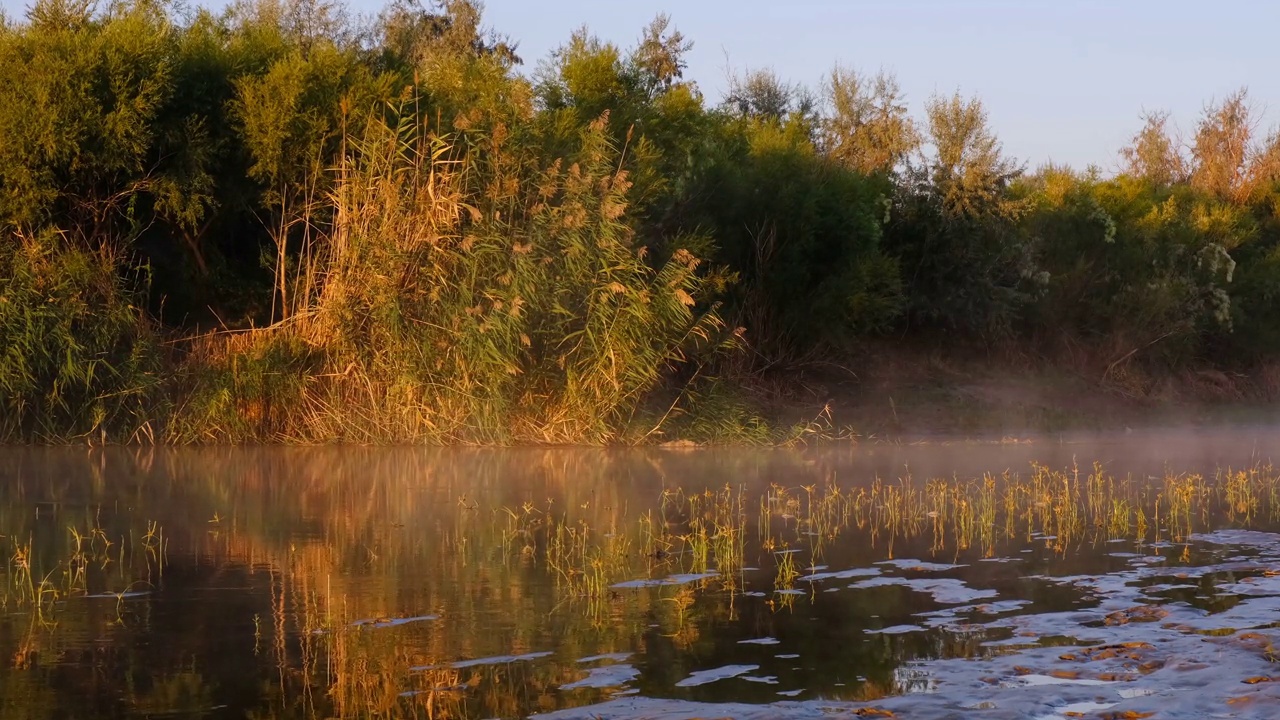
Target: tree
(867,127)
(762,95)
(410,34)
(80,97)
(292,119)
(954,226)
(656,117)
(659,59)
(1221,150)
(968,171)
(1264,167)
(1153,153)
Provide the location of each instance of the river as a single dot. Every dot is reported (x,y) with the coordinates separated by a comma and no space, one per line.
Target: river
(1052,578)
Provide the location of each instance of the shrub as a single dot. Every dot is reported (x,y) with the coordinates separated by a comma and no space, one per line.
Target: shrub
(77,355)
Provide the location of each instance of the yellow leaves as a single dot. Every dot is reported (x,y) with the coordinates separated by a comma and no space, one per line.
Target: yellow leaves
(600,124)
(464,122)
(573,217)
(500,133)
(616,185)
(686,258)
(612,210)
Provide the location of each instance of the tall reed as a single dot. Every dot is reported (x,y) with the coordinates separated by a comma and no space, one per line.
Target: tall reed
(463,293)
(78,357)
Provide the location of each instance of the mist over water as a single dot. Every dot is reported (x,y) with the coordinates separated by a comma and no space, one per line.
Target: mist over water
(922,579)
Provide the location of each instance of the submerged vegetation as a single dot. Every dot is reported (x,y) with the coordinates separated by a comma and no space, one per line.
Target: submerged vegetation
(279,223)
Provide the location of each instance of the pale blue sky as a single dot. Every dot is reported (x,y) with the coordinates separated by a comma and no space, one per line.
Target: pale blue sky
(1063,80)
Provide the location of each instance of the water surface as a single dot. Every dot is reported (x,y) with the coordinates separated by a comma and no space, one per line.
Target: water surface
(1005,579)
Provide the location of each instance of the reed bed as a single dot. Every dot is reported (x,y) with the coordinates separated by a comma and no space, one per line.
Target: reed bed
(705,533)
(456,299)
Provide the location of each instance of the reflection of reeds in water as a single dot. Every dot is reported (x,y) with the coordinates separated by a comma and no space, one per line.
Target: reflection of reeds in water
(339,548)
(44,582)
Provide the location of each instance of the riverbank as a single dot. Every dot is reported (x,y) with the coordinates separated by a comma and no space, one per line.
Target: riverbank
(265,389)
(383,231)
(893,393)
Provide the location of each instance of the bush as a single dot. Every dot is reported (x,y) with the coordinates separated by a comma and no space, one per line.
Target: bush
(1143,268)
(803,234)
(77,355)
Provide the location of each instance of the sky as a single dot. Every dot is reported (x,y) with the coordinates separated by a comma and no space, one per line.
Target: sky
(1065,81)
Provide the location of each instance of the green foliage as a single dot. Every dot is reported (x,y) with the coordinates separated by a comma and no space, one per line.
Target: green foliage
(249,388)
(293,119)
(402,238)
(78,356)
(762,95)
(655,117)
(80,100)
(803,234)
(1131,261)
(714,412)
(954,228)
(1255,303)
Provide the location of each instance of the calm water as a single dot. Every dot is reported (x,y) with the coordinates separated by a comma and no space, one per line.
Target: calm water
(936,580)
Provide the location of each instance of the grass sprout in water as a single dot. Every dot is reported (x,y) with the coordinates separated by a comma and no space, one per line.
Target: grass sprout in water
(86,563)
(350,601)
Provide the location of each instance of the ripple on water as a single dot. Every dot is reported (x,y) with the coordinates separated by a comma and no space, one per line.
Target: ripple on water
(945,591)
(840,575)
(894,630)
(393,622)
(677,579)
(1075,710)
(726,672)
(607,657)
(605,677)
(476,662)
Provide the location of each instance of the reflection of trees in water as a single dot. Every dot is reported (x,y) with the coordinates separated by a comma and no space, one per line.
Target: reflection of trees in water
(319,538)
(275,552)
